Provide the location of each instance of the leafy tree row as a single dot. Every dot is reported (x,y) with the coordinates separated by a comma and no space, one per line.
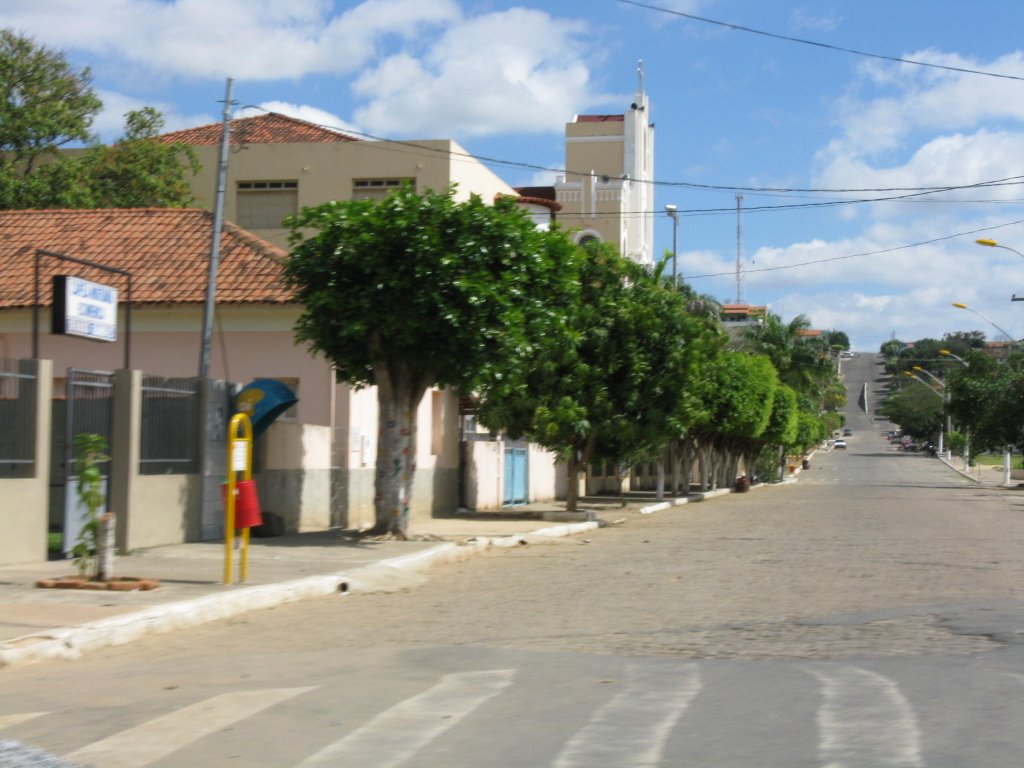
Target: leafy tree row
(983,396)
(46,105)
(575,347)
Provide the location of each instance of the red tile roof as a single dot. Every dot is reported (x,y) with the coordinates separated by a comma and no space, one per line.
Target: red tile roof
(270,128)
(542,197)
(167,250)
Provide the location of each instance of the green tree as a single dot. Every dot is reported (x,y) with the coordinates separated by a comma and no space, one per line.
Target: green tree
(419,290)
(140,170)
(738,395)
(47,105)
(44,103)
(614,385)
(988,399)
(917,408)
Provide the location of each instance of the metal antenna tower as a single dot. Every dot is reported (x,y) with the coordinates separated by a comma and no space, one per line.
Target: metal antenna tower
(739,249)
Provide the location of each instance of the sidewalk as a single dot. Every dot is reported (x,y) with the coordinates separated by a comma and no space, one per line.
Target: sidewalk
(38,624)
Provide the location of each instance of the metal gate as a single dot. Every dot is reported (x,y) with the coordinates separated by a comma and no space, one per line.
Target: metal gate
(515,484)
(89,410)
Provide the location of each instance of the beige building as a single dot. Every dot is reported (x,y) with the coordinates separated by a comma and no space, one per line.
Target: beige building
(279,164)
(315,465)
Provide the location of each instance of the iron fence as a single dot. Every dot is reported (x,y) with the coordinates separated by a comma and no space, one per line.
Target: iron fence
(170,426)
(18,404)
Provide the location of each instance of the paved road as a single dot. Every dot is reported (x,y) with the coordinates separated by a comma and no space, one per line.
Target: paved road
(869,615)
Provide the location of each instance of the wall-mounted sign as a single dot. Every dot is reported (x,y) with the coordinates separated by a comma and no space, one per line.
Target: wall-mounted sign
(84,308)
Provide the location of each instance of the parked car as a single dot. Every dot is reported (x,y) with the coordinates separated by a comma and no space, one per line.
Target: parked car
(847,432)
(839,444)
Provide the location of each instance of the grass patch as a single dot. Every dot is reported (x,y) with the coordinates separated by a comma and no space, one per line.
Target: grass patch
(996,460)
(54,542)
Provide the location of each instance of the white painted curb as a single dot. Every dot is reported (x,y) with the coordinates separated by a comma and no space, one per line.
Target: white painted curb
(387,575)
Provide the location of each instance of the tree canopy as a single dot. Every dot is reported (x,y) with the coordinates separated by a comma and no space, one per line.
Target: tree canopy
(420,290)
(47,105)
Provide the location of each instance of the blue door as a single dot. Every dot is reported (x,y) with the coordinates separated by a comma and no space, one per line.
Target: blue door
(515,476)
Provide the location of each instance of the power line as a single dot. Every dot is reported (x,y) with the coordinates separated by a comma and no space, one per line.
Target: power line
(865,253)
(674,184)
(815,43)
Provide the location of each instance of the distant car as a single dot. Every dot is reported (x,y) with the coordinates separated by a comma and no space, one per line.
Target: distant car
(847,431)
(839,444)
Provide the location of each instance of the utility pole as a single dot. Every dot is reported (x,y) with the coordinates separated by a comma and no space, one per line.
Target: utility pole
(739,249)
(218,224)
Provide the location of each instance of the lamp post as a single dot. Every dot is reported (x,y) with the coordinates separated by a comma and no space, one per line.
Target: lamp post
(993,244)
(961,305)
(945,401)
(988,243)
(673,213)
(960,360)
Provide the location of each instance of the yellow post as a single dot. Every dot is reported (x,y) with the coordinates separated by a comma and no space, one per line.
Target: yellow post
(239,460)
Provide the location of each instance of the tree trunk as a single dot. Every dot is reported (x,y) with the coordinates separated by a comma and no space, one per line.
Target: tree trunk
(572,484)
(661,474)
(673,458)
(702,467)
(687,467)
(398,398)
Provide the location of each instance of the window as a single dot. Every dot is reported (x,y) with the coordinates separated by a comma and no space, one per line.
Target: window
(265,204)
(377,189)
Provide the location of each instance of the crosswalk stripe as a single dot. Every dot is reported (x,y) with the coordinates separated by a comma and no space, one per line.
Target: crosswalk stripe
(399,732)
(864,721)
(6,721)
(651,704)
(157,738)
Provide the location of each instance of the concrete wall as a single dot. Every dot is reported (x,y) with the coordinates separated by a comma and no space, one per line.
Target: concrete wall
(294,478)
(150,510)
(484,479)
(484,472)
(326,171)
(23,513)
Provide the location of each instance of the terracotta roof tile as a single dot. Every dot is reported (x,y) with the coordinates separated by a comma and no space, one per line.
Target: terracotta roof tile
(542,198)
(167,250)
(270,128)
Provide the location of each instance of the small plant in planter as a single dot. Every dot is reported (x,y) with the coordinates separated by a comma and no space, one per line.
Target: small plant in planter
(94,550)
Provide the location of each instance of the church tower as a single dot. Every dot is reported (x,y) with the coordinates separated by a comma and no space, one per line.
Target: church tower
(607,192)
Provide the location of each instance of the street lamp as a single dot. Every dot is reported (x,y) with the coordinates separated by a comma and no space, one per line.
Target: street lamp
(673,213)
(930,375)
(988,243)
(960,305)
(922,381)
(945,400)
(993,244)
(959,359)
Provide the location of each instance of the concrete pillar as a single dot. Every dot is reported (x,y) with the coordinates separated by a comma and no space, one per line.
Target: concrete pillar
(125,452)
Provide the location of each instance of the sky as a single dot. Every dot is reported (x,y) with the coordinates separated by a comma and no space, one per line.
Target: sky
(868,158)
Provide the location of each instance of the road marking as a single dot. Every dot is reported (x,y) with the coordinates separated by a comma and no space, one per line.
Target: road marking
(6,721)
(400,732)
(632,728)
(157,738)
(864,721)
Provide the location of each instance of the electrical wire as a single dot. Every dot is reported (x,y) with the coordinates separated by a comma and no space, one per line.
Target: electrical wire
(1010,180)
(862,254)
(817,44)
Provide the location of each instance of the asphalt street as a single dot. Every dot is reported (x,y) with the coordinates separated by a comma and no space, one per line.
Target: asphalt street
(868,615)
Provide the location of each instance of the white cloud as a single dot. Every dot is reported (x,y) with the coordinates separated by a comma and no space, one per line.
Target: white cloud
(110,122)
(509,72)
(250,39)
